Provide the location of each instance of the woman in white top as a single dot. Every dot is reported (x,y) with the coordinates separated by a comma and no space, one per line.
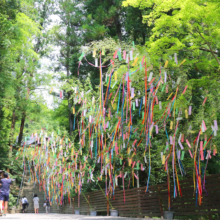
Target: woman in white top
(36,203)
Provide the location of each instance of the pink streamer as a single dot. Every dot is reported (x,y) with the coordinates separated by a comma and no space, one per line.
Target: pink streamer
(124,55)
(201,150)
(188,143)
(134,142)
(184,90)
(135,176)
(204,101)
(204,125)
(190,153)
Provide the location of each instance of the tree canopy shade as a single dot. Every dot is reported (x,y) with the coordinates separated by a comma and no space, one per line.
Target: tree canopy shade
(19,56)
(186,26)
(160,63)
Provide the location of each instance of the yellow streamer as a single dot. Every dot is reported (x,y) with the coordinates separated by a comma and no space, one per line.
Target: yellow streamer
(182,62)
(94,52)
(166,64)
(171,125)
(135,62)
(186,113)
(170,96)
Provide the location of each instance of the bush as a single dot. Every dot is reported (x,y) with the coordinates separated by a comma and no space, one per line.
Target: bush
(12,200)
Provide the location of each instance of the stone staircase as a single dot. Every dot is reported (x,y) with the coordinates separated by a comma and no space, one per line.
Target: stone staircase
(28,190)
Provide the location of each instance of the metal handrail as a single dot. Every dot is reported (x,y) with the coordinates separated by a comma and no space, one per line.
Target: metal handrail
(34,178)
(20,187)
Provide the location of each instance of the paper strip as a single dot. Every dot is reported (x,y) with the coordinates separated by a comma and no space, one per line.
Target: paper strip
(216,125)
(188,143)
(131,55)
(190,110)
(181,146)
(190,154)
(124,55)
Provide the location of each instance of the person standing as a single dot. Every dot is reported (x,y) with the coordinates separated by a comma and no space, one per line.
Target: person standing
(24,203)
(36,203)
(4,192)
(47,205)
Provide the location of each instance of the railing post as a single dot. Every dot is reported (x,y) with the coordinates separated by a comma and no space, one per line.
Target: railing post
(107,204)
(210,215)
(20,187)
(160,202)
(88,207)
(78,200)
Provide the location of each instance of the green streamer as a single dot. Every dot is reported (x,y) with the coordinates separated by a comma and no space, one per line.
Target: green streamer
(182,155)
(119,56)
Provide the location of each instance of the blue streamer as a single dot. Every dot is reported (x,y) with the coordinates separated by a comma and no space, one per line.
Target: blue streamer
(96,147)
(167,134)
(122,112)
(140,106)
(182,167)
(74,122)
(119,98)
(148,178)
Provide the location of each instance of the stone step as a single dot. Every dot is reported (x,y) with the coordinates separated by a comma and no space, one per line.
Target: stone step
(29,189)
(54,212)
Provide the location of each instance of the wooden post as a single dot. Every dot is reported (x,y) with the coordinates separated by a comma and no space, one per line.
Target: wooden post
(107,204)
(88,206)
(78,200)
(160,202)
(73,207)
(210,215)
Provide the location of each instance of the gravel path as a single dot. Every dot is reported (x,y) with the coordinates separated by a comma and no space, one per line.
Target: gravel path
(63,217)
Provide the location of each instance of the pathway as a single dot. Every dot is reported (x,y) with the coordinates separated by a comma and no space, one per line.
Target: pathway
(64,217)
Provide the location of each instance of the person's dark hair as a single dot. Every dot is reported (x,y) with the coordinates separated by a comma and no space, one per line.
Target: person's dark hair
(35,195)
(6,175)
(23,196)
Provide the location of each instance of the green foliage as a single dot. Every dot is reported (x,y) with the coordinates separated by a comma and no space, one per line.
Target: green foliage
(158,28)
(20,40)
(12,201)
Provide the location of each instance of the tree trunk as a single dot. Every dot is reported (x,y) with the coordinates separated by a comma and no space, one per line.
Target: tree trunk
(118,27)
(12,128)
(21,128)
(11,138)
(70,114)
(117,23)
(69,93)
(143,36)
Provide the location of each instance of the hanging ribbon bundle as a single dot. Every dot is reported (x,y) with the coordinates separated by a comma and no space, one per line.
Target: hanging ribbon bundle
(116,127)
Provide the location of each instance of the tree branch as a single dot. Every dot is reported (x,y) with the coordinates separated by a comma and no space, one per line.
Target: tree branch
(204,49)
(210,47)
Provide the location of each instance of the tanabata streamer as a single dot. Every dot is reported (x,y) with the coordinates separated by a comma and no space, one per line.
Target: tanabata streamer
(107,134)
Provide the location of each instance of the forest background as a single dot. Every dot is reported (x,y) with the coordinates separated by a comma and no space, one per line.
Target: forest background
(157,29)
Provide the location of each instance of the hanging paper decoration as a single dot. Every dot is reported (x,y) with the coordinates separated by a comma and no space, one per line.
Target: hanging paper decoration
(108,132)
